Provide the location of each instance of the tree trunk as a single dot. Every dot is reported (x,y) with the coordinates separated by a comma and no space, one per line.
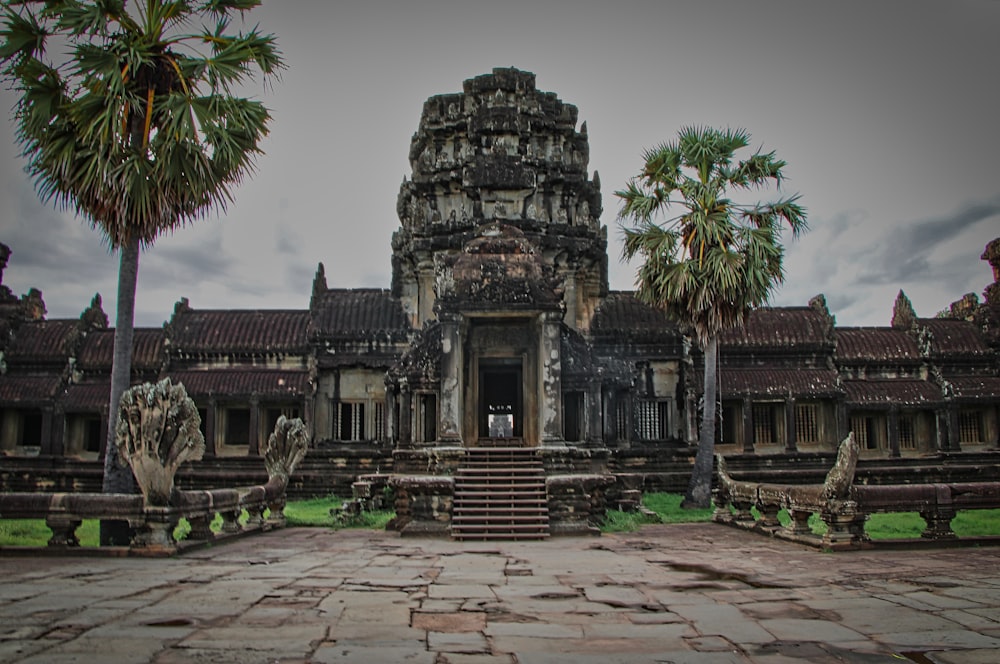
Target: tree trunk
(117,474)
(699,493)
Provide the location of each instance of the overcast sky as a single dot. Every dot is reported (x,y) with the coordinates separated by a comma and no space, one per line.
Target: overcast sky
(885,111)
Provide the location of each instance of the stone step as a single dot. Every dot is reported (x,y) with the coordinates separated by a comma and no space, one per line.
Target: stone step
(500,494)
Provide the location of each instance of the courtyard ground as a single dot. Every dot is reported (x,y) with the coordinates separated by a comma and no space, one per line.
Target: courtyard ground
(698,593)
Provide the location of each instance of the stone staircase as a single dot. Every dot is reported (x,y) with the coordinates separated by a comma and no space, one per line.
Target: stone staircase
(500,495)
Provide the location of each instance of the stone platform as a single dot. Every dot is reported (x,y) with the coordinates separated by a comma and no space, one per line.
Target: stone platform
(682,593)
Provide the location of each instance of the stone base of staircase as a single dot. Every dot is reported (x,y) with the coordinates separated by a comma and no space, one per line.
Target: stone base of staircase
(500,495)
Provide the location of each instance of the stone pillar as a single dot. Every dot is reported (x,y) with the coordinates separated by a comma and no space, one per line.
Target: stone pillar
(451,380)
(893,432)
(843,425)
(954,445)
(570,297)
(253,445)
(45,444)
(405,415)
(747,426)
(210,417)
(550,379)
(594,435)
(57,437)
(791,435)
(610,408)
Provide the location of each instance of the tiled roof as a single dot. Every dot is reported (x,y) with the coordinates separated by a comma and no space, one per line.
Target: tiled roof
(880,344)
(239,331)
(356,313)
(622,312)
(779,327)
(243,382)
(766,382)
(43,340)
(892,391)
(86,396)
(97,350)
(975,387)
(28,389)
(951,337)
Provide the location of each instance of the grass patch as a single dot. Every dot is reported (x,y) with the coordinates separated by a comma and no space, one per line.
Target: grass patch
(34,532)
(666,508)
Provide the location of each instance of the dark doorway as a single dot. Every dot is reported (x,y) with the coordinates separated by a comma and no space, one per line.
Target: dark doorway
(500,400)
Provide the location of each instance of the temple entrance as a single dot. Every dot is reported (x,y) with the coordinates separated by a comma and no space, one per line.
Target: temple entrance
(501,397)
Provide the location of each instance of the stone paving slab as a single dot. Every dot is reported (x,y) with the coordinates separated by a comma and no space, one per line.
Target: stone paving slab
(686,594)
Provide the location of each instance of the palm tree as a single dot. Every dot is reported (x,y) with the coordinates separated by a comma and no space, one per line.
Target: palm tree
(715,259)
(129,116)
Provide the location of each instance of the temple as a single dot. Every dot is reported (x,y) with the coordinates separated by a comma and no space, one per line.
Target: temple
(499,330)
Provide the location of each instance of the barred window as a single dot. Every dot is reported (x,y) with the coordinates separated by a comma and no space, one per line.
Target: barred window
(869,431)
(970,426)
(621,419)
(807,422)
(730,429)
(768,423)
(350,424)
(652,419)
(378,421)
(359,420)
(907,433)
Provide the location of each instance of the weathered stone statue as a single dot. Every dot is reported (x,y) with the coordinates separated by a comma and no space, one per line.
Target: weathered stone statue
(286,447)
(158,429)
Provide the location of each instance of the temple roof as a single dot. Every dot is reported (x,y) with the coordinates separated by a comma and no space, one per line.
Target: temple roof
(865,344)
(887,392)
(975,387)
(956,338)
(28,389)
(767,382)
(622,312)
(49,341)
(243,383)
(779,327)
(356,313)
(87,396)
(239,331)
(97,350)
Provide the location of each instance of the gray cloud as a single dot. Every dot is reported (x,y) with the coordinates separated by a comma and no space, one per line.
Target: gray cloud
(909,253)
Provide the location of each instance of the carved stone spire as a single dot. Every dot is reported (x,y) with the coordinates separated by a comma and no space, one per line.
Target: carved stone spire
(93,317)
(903,315)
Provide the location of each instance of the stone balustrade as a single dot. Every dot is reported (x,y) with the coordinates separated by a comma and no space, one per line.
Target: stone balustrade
(157,431)
(843,506)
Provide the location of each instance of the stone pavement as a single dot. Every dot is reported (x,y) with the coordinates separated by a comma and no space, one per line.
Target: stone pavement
(698,593)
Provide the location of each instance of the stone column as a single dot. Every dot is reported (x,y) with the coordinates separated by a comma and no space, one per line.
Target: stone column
(55,443)
(790,432)
(954,444)
(893,432)
(594,435)
(253,445)
(405,415)
(550,380)
(747,426)
(210,417)
(45,444)
(450,428)
(610,408)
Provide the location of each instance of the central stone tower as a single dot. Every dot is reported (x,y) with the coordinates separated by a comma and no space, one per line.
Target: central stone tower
(500,153)
(499,258)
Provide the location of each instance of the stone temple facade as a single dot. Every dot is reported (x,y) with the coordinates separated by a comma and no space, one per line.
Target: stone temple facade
(499,329)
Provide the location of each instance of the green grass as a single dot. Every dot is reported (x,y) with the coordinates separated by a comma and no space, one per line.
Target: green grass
(315,513)
(667,508)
